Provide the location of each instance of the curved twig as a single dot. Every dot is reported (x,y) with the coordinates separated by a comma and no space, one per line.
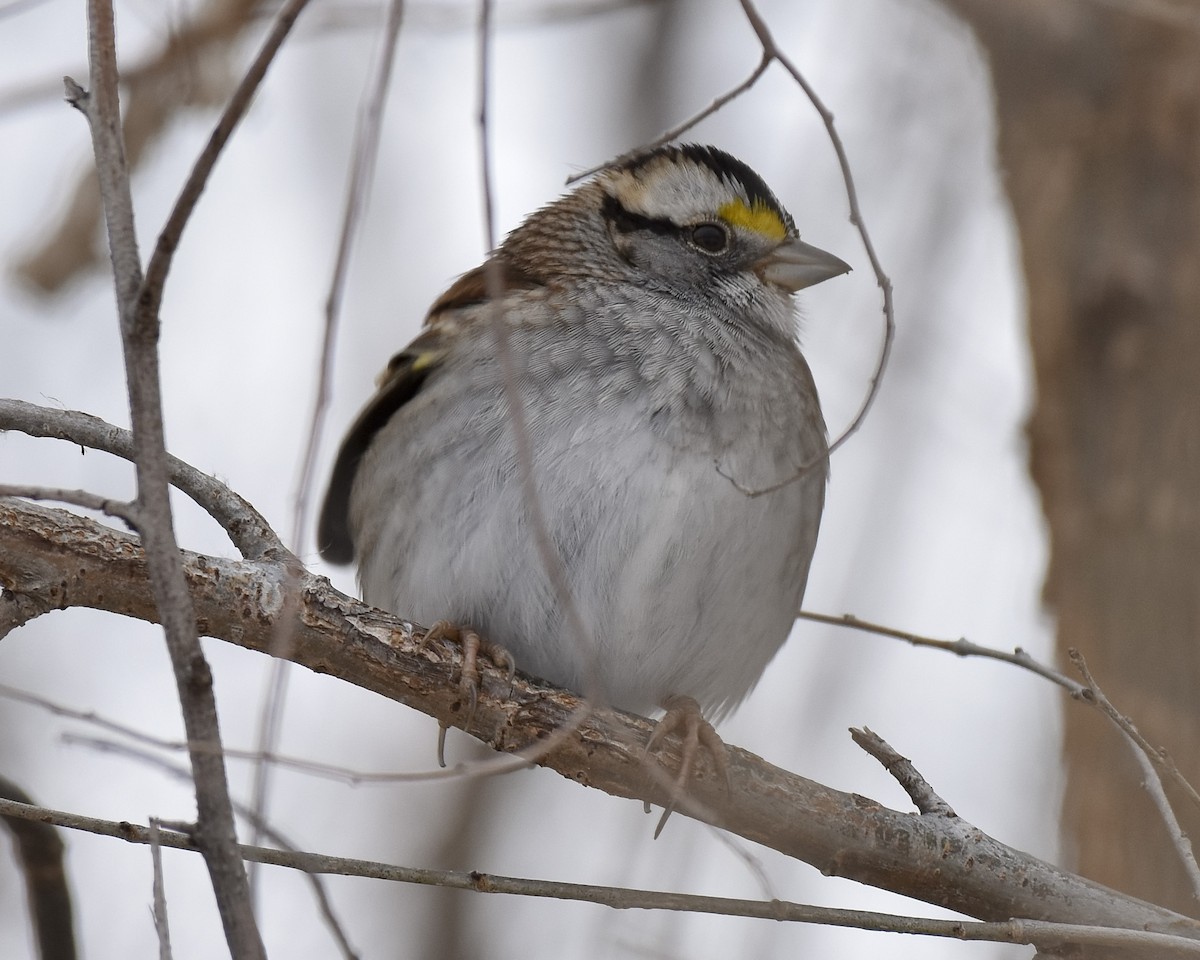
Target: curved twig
(247,528)
(772,53)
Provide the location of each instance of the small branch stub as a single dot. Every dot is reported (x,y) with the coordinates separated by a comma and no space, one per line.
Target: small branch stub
(907,775)
(76,95)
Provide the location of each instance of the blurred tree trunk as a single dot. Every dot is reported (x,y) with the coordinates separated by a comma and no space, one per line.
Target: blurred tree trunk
(1098,114)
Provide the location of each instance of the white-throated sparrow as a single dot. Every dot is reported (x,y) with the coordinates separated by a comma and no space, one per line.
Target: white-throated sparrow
(651,326)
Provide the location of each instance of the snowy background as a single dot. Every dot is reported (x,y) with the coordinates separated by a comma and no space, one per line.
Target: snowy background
(931,524)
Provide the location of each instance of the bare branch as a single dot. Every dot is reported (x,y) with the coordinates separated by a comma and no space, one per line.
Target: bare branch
(961,647)
(771,52)
(139,325)
(1095,696)
(1043,934)
(907,775)
(770,49)
(366,152)
(1021,658)
(150,294)
(189,70)
(79,498)
(59,557)
(159,902)
(492,767)
(247,528)
(1145,756)
(678,131)
(248,813)
(443,16)
(548,554)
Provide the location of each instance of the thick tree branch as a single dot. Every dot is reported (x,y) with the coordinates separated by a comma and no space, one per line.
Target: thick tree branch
(62,560)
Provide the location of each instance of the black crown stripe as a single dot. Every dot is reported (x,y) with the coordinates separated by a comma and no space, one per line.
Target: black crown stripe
(726,166)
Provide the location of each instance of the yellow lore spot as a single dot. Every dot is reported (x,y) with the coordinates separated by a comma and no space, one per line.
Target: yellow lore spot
(759,218)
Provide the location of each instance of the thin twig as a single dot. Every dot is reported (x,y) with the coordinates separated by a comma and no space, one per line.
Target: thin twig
(247,528)
(1041,933)
(961,647)
(489,767)
(907,775)
(682,128)
(202,37)
(771,52)
(159,903)
(552,563)
(753,864)
(1093,695)
(550,559)
(771,49)
(121,509)
(150,294)
(246,812)
(1144,754)
(492,766)
(362,171)
(1147,756)
(1021,658)
(441,16)
(187,71)
(366,153)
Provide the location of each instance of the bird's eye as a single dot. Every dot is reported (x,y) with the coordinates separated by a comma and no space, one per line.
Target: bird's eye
(710,237)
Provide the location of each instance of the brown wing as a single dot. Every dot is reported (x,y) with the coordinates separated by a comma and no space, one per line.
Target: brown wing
(400,382)
(405,373)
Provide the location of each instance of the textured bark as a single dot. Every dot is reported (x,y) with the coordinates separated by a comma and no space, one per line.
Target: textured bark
(50,559)
(1098,111)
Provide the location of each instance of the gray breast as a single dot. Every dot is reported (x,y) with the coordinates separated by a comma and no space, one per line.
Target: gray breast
(647,440)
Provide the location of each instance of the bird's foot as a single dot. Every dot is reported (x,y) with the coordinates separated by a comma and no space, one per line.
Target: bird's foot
(474,646)
(683,717)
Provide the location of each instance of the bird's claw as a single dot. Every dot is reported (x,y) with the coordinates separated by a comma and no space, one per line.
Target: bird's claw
(683,716)
(474,646)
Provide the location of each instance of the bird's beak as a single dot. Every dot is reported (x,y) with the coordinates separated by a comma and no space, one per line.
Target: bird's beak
(795,265)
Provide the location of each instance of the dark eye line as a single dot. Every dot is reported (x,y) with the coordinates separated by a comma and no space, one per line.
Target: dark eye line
(624,220)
